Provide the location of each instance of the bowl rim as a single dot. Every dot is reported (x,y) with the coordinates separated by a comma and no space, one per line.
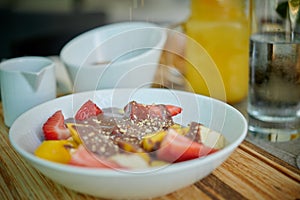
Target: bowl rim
(171,168)
(131,25)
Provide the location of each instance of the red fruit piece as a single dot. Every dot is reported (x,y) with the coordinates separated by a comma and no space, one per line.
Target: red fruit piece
(82,157)
(141,111)
(87,110)
(177,148)
(173,110)
(54,128)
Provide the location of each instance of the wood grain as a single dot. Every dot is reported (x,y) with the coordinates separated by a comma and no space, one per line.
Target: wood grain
(257,178)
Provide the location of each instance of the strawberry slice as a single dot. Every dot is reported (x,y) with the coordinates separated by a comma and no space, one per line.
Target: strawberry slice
(177,148)
(87,110)
(54,128)
(141,111)
(173,110)
(161,110)
(82,157)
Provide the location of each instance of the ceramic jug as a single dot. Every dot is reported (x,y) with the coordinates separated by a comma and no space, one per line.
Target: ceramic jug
(25,83)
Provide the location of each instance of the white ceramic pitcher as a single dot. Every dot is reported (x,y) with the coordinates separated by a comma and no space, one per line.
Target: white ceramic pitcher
(25,83)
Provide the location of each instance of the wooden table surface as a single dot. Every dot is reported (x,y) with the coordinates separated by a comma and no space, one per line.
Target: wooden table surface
(249,173)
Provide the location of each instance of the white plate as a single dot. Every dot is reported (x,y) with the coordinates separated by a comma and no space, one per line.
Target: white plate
(25,135)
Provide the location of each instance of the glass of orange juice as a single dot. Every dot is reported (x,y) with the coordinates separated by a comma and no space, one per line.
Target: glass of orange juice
(222,28)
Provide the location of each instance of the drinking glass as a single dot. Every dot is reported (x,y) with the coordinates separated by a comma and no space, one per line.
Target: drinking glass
(223,29)
(274,83)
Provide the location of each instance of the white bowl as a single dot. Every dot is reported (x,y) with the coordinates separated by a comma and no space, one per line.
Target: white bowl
(25,136)
(124,54)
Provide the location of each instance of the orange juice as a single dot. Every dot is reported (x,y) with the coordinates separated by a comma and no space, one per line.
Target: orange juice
(222,29)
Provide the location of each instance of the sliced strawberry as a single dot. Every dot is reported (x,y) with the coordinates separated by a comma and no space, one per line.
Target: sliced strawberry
(141,111)
(135,111)
(160,110)
(54,128)
(177,148)
(173,110)
(87,110)
(84,158)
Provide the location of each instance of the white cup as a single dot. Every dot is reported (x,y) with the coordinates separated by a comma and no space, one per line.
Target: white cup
(25,83)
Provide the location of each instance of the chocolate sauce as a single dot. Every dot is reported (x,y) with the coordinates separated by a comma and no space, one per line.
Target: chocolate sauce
(103,133)
(194,132)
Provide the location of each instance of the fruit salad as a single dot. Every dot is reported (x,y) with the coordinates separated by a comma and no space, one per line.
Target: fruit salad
(136,136)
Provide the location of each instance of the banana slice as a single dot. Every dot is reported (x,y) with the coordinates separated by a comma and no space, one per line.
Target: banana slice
(212,138)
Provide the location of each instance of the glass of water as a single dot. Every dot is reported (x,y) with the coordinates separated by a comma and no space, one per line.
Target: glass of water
(274,82)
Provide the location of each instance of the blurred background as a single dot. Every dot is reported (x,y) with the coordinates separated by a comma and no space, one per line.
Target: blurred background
(42,27)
